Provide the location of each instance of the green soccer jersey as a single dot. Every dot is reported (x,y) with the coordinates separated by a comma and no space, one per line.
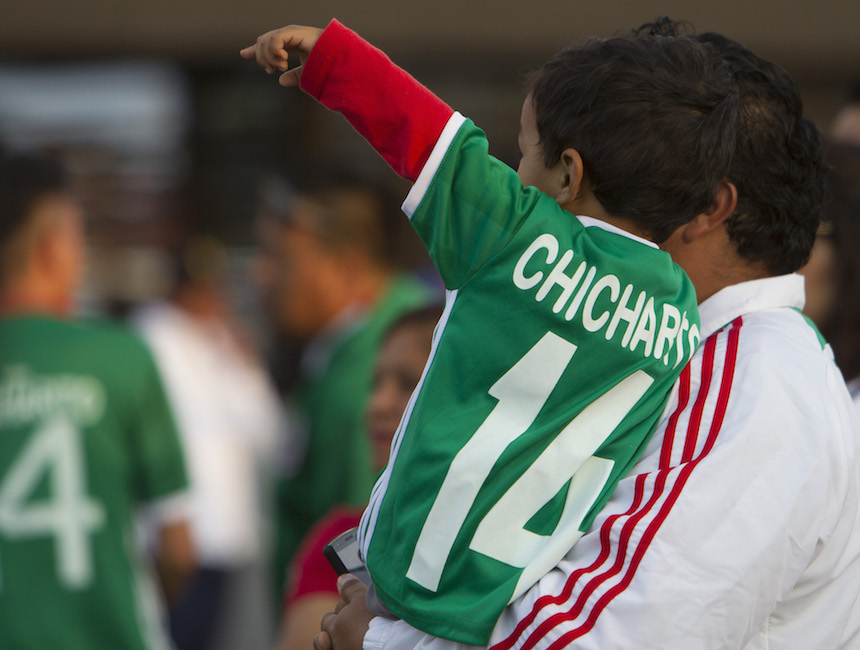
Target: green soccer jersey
(555,356)
(85,436)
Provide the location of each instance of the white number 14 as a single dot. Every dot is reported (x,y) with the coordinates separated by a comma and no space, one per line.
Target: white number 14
(521,393)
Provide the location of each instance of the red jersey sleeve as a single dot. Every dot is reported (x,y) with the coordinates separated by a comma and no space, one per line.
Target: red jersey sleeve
(398,116)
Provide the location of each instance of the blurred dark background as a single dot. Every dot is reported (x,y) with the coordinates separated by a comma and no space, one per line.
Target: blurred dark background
(168,131)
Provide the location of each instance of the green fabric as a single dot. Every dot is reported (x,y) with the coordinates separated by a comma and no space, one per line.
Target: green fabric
(534,333)
(821,340)
(337,467)
(86,435)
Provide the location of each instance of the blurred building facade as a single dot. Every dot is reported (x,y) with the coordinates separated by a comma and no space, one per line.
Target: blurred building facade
(169,131)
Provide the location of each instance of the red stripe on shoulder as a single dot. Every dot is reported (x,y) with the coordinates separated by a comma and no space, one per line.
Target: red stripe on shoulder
(672,426)
(710,347)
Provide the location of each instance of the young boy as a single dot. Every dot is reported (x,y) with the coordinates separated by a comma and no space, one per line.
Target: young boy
(529,409)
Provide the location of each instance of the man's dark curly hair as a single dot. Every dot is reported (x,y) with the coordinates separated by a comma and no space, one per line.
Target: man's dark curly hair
(653,119)
(779,165)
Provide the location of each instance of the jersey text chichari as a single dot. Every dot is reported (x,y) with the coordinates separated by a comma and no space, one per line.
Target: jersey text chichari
(595,293)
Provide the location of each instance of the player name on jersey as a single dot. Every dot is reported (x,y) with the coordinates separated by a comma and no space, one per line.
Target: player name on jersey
(26,397)
(585,286)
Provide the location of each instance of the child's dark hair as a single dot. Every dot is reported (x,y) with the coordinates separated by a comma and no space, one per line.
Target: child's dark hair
(654,121)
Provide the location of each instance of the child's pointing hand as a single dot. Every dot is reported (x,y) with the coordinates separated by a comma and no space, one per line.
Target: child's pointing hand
(272,51)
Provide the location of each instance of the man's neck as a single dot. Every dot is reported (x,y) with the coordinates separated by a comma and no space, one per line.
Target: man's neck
(722,276)
(718,265)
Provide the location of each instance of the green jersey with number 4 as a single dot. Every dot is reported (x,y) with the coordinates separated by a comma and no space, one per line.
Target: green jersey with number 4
(555,356)
(85,436)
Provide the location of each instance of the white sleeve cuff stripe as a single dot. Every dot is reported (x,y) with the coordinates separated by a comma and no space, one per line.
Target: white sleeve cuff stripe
(169,509)
(419,189)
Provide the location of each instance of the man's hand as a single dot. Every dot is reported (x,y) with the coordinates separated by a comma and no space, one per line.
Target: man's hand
(345,627)
(272,51)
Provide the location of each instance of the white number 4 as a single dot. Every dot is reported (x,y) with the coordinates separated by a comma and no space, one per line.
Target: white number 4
(70,516)
(521,393)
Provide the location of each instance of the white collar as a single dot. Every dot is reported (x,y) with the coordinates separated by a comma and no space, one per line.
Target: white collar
(748,297)
(603,225)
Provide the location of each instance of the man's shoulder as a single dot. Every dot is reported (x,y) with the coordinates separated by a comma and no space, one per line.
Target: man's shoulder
(781,332)
(785,371)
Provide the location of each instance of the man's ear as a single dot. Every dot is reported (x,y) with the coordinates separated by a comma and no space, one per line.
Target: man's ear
(573,176)
(715,216)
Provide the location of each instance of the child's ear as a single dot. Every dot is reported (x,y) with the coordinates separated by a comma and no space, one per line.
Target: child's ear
(573,181)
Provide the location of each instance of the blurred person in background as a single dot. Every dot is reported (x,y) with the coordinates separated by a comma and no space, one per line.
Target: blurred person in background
(229,419)
(833,272)
(86,437)
(846,125)
(328,274)
(313,583)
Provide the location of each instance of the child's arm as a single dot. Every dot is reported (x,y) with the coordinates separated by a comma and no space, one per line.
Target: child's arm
(461,222)
(400,118)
